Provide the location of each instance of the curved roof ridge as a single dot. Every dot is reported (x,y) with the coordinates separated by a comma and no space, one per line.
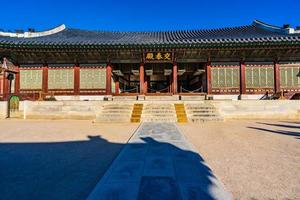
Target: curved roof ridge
(30,34)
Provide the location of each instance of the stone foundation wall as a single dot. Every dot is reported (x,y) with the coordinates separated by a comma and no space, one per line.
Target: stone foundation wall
(259,109)
(242,109)
(3,109)
(61,109)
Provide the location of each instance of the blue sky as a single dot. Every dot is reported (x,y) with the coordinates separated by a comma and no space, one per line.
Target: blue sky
(139,15)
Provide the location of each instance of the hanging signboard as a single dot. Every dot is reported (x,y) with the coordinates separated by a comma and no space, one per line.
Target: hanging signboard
(158,56)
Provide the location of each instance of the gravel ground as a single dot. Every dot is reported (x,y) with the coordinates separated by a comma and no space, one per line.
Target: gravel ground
(254,159)
(56,159)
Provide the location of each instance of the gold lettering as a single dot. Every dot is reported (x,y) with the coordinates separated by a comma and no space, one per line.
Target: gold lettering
(159,56)
(149,56)
(167,56)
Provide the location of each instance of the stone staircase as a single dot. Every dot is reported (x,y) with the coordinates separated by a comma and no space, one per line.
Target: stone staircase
(115,112)
(136,113)
(202,112)
(158,112)
(180,113)
(124,98)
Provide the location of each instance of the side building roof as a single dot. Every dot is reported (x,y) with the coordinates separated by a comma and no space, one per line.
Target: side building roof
(257,34)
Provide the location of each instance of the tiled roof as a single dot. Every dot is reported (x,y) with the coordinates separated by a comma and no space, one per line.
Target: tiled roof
(253,34)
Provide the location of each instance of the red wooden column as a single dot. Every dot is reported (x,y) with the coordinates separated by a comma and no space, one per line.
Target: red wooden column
(276,76)
(142,78)
(76,79)
(108,78)
(45,78)
(208,77)
(170,84)
(242,77)
(5,86)
(146,83)
(117,85)
(17,80)
(175,91)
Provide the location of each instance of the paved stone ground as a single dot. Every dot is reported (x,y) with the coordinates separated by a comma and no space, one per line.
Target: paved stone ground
(159,163)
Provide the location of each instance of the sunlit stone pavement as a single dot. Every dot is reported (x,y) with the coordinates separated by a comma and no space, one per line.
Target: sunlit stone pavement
(159,163)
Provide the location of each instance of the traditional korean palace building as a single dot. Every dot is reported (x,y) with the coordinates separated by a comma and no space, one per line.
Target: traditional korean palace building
(229,62)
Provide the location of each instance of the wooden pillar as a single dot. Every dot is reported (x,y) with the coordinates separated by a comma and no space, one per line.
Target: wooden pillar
(208,77)
(45,78)
(17,80)
(142,77)
(242,77)
(108,78)
(276,77)
(170,84)
(129,86)
(5,86)
(175,91)
(117,85)
(76,79)
(146,84)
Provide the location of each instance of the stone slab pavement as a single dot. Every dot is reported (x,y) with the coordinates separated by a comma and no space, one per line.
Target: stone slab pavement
(159,163)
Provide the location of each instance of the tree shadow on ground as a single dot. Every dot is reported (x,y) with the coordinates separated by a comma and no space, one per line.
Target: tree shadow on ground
(295,133)
(70,170)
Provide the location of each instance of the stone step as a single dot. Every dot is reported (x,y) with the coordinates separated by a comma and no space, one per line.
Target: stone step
(200,111)
(204,119)
(158,116)
(116,111)
(124,98)
(162,98)
(192,98)
(159,120)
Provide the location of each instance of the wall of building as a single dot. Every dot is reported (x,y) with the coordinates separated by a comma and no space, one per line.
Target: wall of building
(290,77)
(259,109)
(244,109)
(61,109)
(259,78)
(3,109)
(225,79)
(63,79)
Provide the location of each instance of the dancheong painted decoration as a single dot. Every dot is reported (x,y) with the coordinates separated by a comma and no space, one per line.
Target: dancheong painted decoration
(247,60)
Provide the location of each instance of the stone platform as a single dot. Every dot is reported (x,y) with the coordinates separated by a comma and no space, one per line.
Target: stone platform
(159,163)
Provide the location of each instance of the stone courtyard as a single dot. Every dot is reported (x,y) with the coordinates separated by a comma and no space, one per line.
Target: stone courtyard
(70,159)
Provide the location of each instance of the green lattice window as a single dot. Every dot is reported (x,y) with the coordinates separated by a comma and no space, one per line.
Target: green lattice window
(61,79)
(31,79)
(288,77)
(92,78)
(225,77)
(259,77)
